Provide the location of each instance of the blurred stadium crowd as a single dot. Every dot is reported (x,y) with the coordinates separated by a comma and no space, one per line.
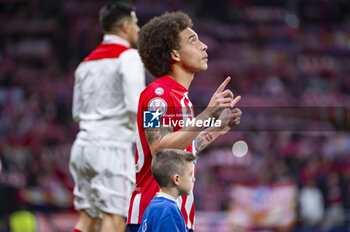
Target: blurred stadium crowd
(279,54)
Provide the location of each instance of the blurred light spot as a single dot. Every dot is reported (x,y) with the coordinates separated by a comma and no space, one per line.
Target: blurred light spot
(240,148)
(292,20)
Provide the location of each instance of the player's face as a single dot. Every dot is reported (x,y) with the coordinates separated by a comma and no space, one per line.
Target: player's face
(193,55)
(187,180)
(133,30)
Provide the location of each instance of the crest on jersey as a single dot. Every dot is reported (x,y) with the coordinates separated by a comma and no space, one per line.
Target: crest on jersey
(159,91)
(156,108)
(157,104)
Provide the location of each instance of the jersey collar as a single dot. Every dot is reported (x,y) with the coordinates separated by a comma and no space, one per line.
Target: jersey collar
(114,39)
(167,196)
(175,84)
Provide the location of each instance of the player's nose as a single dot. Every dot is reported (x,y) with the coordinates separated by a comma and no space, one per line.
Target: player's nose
(204,47)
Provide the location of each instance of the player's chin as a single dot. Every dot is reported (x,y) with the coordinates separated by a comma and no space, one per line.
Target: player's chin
(204,67)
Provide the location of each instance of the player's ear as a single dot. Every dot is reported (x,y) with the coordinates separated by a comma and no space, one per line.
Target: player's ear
(176,179)
(126,26)
(175,55)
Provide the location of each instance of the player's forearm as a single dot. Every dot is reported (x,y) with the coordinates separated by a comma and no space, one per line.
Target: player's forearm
(176,140)
(206,137)
(165,137)
(182,139)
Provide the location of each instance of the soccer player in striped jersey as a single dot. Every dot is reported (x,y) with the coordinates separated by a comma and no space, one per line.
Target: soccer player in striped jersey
(172,52)
(107,86)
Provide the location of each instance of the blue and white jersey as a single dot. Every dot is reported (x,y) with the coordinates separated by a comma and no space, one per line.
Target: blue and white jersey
(163,214)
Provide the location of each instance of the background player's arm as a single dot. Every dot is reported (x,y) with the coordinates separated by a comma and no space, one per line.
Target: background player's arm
(77,99)
(133,82)
(133,76)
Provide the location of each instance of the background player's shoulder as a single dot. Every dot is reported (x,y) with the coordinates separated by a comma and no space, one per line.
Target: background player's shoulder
(131,53)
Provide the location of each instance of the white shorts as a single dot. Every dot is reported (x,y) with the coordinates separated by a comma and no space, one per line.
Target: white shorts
(104,178)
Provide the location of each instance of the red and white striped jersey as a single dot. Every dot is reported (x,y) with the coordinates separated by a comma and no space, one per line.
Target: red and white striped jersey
(173,99)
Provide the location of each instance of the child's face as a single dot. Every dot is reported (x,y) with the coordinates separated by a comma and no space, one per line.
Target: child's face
(187,180)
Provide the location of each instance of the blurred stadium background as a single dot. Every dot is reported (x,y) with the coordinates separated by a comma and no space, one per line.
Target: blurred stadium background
(279,53)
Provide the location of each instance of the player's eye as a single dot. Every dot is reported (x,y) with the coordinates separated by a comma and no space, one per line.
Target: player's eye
(193,41)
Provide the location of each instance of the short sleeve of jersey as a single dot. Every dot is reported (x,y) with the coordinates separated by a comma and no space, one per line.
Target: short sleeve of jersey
(159,101)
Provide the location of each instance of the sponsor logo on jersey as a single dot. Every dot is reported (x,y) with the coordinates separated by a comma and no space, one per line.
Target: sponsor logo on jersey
(159,91)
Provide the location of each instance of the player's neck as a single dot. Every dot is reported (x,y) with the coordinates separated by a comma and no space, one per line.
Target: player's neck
(171,191)
(121,34)
(181,76)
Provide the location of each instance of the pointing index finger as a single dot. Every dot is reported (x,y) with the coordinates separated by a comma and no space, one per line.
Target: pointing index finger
(234,102)
(223,85)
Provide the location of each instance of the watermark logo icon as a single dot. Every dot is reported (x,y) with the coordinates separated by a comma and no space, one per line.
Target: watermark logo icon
(151,119)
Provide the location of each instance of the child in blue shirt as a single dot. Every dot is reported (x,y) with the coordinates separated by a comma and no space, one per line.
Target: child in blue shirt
(173,171)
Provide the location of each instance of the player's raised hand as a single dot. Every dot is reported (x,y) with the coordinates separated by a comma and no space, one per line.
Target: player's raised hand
(229,118)
(222,99)
(236,115)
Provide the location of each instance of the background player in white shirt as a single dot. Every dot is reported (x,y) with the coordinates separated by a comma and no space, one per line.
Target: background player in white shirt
(106,91)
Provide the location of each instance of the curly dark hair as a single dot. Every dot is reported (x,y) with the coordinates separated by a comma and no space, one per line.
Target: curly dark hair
(158,38)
